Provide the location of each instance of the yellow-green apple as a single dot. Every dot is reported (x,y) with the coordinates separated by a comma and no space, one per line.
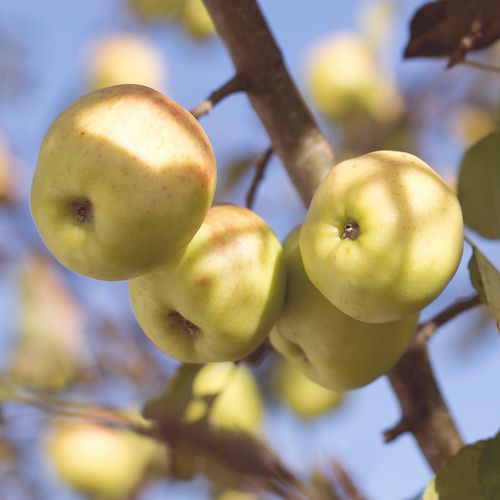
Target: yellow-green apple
(196,19)
(343,78)
(123,58)
(238,404)
(124,179)
(479,186)
(330,347)
(304,396)
(383,236)
(217,298)
(102,462)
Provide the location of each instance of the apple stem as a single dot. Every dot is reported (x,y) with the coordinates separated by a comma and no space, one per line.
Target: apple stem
(351,231)
(83,211)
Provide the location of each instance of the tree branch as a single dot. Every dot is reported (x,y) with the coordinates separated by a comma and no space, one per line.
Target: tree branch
(260,168)
(236,84)
(294,134)
(307,156)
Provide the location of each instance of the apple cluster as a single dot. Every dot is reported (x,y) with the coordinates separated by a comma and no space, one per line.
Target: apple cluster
(123,190)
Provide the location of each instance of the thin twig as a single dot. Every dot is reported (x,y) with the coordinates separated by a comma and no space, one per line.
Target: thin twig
(427,329)
(350,490)
(260,168)
(236,84)
(480,65)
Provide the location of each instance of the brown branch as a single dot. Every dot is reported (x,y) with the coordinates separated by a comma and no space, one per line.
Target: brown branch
(307,156)
(427,329)
(233,86)
(294,134)
(260,168)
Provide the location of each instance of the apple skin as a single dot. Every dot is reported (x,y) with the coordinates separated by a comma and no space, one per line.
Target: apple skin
(409,237)
(305,397)
(238,405)
(218,298)
(331,348)
(124,179)
(104,462)
(123,58)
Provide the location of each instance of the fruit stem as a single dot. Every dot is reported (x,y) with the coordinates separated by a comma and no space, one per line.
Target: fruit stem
(351,231)
(185,324)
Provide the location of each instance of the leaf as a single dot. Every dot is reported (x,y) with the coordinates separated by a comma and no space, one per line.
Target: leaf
(458,479)
(452,28)
(176,395)
(479,186)
(486,280)
(489,471)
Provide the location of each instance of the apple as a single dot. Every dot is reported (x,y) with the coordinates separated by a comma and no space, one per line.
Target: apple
(100,461)
(196,19)
(306,398)
(217,298)
(331,348)
(343,78)
(238,404)
(124,179)
(123,58)
(231,494)
(383,236)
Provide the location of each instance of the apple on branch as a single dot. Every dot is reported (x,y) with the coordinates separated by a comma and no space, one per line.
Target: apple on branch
(218,298)
(328,346)
(124,179)
(383,236)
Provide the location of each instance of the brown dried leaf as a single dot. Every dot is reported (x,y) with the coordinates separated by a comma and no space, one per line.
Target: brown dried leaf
(452,28)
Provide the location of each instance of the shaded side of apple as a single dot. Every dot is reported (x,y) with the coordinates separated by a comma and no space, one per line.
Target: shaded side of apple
(330,347)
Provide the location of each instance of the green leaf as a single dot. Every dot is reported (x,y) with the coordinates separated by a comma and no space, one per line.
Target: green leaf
(489,471)
(486,280)
(479,186)
(458,479)
(176,395)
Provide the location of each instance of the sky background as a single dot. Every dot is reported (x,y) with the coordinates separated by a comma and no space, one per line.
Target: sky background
(50,42)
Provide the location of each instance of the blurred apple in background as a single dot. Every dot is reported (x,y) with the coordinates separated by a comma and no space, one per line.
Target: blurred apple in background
(343,79)
(238,403)
(126,58)
(103,462)
(469,123)
(306,398)
(196,19)
(237,495)
(51,347)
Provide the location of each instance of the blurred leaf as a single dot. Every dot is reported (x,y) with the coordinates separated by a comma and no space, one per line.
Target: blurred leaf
(7,179)
(458,479)
(176,395)
(51,345)
(451,28)
(324,485)
(235,172)
(486,280)
(479,186)
(489,470)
